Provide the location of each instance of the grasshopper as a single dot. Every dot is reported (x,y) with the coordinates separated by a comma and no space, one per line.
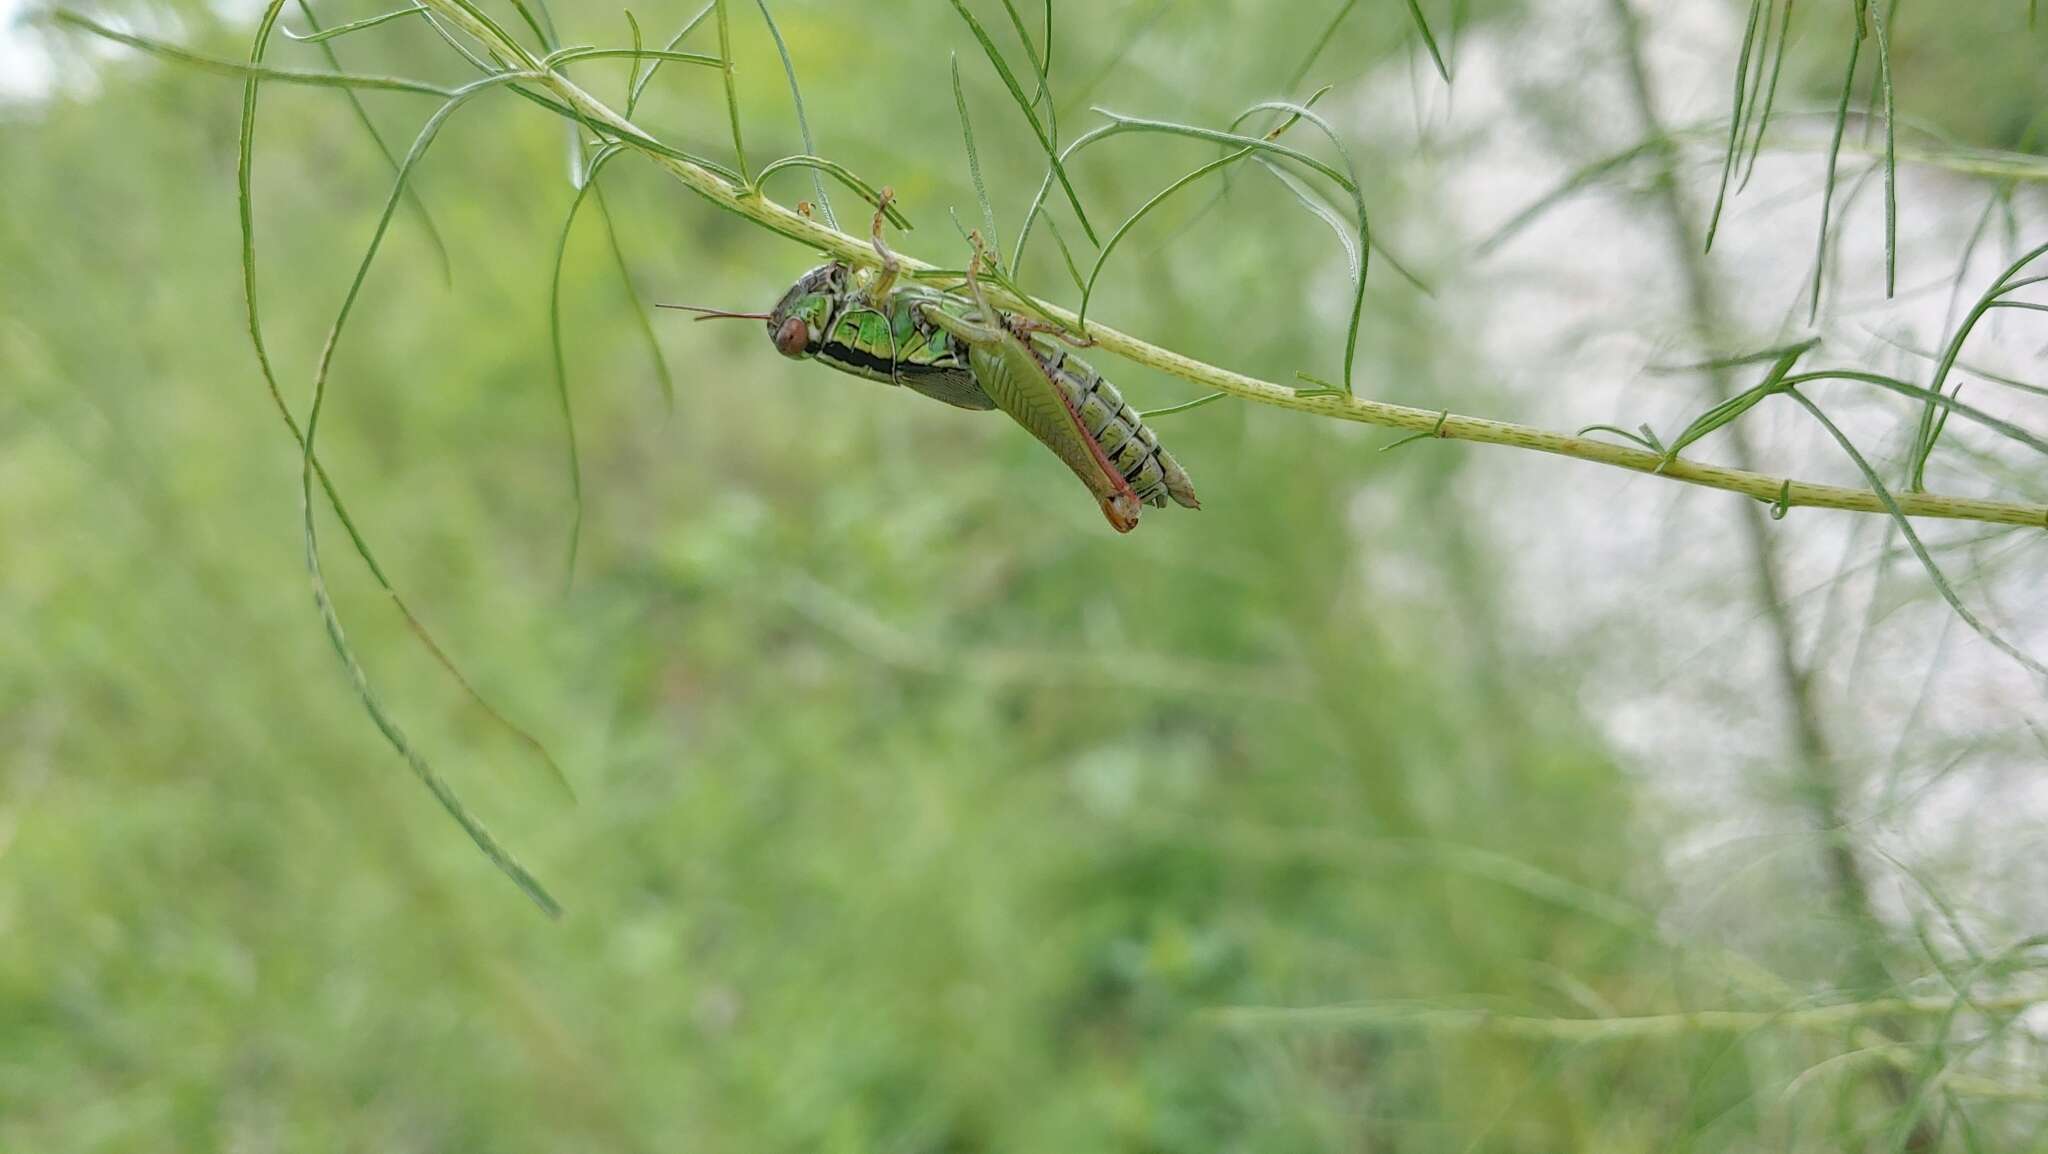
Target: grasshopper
(970,355)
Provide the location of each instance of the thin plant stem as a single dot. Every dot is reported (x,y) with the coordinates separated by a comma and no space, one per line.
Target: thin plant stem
(856,250)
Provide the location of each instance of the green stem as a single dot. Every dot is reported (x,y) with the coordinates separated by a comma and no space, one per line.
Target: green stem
(858,251)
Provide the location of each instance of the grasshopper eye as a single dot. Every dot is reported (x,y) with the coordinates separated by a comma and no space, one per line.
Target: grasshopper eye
(793,337)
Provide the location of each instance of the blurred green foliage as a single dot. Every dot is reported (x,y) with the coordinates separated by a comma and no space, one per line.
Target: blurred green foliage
(917,813)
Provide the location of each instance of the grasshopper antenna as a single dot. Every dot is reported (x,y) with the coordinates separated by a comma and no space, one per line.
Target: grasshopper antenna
(710,314)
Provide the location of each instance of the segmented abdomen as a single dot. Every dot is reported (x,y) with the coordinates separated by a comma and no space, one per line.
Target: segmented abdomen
(1129,444)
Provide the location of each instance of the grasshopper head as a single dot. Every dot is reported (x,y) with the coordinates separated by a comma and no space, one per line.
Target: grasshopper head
(798,322)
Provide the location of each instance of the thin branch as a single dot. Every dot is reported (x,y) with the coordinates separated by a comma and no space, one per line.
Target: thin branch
(1620,1029)
(858,251)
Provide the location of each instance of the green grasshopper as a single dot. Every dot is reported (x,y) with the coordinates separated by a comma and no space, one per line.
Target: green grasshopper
(942,346)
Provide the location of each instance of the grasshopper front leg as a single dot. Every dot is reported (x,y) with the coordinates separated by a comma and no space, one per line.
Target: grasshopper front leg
(1017,380)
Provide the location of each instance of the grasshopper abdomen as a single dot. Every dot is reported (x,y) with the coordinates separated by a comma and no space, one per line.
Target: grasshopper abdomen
(1130,444)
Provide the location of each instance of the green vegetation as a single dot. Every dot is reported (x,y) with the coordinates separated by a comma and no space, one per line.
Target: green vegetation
(912,810)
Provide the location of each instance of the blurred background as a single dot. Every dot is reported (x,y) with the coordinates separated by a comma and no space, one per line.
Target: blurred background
(1390,802)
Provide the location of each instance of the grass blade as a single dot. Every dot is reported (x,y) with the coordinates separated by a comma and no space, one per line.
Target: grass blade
(1039,68)
(803,123)
(568,55)
(1318,208)
(640,310)
(648,76)
(732,95)
(244,175)
(1946,402)
(562,364)
(1891,156)
(1827,196)
(1002,68)
(362,115)
(1728,411)
(1422,26)
(1316,50)
(1928,434)
(1913,541)
(1568,187)
(1735,120)
(988,214)
(1145,209)
(449,38)
(443,793)
(320,36)
(1763,120)
(839,172)
(1183,407)
(253,70)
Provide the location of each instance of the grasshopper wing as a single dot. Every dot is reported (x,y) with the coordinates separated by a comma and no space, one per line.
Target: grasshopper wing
(956,387)
(1014,378)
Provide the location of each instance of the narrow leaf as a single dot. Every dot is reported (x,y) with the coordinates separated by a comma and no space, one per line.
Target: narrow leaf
(1045,141)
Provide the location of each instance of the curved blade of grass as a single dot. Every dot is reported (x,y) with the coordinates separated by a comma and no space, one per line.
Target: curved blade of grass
(1038,68)
(1119,123)
(1318,208)
(1183,407)
(1891,155)
(1827,198)
(1045,67)
(1735,120)
(1048,40)
(568,55)
(633,66)
(1624,434)
(1042,69)
(1734,407)
(562,364)
(640,309)
(1133,31)
(445,794)
(640,86)
(1315,50)
(1905,527)
(506,47)
(1763,120)
(1755,88)
(839,172)
(1222,163)
(321,36)
(1928,434)
(251,71)
(362,115)
(1349,182)
(1052,228)
(1002,68)
(760,212)
(448,37)
(803,123)
(1429,38)
(1219,164)
(1045,185)
(1582,178)
(988,214)
(732,95)
(543,32)
(1145,209)
(1400,267)
(244,198)
(1978,371)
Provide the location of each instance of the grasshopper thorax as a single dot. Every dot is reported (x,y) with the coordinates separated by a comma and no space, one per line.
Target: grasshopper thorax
(800,322)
